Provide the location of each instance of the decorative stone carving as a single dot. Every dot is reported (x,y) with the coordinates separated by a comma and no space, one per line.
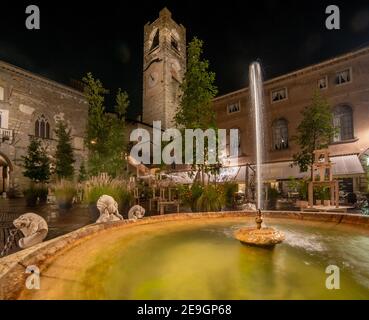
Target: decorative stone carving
(33,227)
(108,209)
(26,109)
(136,212)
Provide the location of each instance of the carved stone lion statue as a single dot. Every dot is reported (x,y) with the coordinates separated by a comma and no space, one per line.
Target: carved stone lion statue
(33,227)
(108,209)
(136,212)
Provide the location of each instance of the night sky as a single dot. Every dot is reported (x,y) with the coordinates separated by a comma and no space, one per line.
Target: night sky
(106,37)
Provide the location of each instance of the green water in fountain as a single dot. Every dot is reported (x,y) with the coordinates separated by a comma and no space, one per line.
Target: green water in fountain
(201,260)
(206,262)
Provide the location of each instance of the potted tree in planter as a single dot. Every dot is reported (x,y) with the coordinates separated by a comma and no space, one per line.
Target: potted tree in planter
(37,169)
(31,195)
(65,190)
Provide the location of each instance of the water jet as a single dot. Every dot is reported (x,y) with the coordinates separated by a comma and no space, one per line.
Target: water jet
(259,236)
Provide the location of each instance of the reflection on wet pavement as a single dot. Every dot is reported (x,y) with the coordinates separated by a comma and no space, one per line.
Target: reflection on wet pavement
(59,221)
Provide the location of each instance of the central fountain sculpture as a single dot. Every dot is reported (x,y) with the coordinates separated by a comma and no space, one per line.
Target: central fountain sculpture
(259,236)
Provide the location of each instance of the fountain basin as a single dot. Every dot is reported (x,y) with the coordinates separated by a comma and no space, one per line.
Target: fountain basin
(264,237)
(194,256)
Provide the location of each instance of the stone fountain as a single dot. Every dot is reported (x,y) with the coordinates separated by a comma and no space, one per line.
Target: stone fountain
(259,236)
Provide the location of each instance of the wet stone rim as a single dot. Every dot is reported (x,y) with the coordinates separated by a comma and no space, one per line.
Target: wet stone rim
(12,267)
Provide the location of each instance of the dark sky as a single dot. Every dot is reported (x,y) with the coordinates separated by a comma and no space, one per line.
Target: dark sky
(105,37)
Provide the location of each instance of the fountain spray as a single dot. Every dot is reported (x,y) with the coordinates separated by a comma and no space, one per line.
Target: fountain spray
(261,237)
(256,89)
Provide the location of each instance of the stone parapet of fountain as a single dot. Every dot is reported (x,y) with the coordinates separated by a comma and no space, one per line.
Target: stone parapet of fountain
(12,275)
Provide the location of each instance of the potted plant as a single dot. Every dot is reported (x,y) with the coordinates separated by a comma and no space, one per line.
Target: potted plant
(42,192)
(318,195)
(31,195)
(65,191)
(273,195)
(230,189)
(211,199)
(303,194)
(326,196)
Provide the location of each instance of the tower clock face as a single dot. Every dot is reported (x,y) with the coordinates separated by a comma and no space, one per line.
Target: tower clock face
(152,79)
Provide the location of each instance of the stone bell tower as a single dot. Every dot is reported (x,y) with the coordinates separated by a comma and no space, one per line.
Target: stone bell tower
(164,64)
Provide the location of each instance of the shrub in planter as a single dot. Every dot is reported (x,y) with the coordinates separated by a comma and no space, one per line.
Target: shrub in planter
(31,196)
(65,191)
(326,197)
(272,196)
(229,190)
(95,187)
(42,194)
(211,199)
(302,188)
(190,194)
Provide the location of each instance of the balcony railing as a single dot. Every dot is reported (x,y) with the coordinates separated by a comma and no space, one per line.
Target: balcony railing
(6,135)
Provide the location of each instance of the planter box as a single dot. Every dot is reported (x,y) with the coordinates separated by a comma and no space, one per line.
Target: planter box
(318,202)
(302,203)
(327,203)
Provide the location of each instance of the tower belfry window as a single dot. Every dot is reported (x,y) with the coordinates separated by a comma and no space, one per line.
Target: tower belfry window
(155,41)
(174,43)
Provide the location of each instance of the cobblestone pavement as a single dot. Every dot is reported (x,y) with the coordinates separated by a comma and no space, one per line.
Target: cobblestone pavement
(59,222)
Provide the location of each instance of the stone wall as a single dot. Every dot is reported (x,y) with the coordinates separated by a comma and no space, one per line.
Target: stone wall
(28,97)
(301,86)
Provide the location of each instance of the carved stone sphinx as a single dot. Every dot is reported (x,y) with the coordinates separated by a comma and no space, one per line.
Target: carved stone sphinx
(33,227)
(136,212)
(108,209)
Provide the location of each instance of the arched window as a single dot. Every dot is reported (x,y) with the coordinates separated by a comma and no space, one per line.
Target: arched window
(155,41)
(280,134)
(42,128)
(342,121)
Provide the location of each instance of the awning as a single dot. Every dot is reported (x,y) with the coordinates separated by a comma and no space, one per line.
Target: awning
(342,166)
(346,165)
(281,171)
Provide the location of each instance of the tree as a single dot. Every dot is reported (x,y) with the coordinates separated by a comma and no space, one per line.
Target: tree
(117,135)
(195,110)
(82,176)
(96,130)
(36,162)
(315,132)
(64,152)
(105,132)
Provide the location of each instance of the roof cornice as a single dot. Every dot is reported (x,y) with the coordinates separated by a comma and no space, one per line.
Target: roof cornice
(34,77)
(303,71)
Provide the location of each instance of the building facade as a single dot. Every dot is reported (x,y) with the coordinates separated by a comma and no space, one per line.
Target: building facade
(344,82)
(31,105)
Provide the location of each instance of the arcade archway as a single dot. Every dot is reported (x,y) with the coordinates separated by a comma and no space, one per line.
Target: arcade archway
(5,170)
